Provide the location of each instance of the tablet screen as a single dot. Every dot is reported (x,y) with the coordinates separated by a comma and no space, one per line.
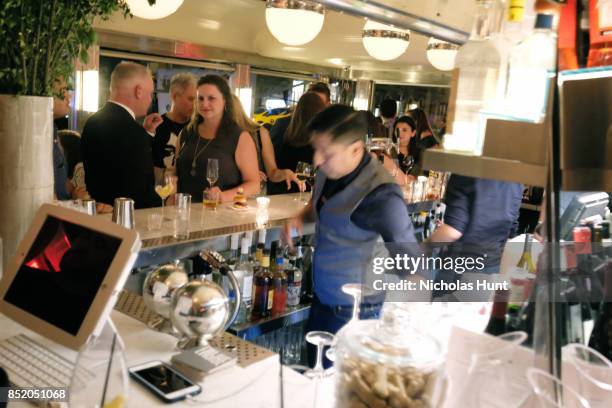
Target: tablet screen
(62,272)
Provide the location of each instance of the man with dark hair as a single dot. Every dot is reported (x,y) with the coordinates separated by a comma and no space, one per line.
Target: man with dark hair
(280,127)
(388,112)
(355,203)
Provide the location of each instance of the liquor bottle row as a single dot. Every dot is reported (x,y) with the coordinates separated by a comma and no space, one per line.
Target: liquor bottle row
(270,280)
(426,222)
(585,287)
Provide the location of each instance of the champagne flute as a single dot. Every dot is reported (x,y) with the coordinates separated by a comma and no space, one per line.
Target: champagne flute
(212,171)
(303,171)
(212,175)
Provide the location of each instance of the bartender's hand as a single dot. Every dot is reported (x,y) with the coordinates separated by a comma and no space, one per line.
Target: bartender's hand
(298,224)
(151,122)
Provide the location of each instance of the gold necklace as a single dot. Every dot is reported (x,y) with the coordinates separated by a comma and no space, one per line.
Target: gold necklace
(197,154)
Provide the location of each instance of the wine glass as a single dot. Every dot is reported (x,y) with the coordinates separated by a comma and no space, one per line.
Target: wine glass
(212,171)
(551,392)
(164,188)
(303,171)
(594,372)
(356,290)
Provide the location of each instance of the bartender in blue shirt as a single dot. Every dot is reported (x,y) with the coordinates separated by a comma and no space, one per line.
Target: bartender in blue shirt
(355,203)
(480,216)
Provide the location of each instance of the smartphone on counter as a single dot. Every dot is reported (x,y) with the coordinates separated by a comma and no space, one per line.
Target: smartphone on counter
(164,381)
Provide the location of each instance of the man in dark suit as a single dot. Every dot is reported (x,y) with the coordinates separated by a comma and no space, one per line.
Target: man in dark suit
(116,149)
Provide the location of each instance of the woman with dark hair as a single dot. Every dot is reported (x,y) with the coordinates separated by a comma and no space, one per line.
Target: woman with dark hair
(296,142)
(424,139)
(404,131)
(268,169)
(355,203)
(212,133)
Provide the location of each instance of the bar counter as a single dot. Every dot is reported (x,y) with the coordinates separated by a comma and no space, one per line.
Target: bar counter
(210,228)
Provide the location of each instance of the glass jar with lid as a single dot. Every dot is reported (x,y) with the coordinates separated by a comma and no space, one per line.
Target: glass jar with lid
(387,363)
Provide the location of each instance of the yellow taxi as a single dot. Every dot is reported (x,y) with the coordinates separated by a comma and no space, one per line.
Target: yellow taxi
(270,116)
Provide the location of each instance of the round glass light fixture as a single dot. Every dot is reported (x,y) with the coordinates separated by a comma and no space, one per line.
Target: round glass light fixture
(384,42)
(294,22)
(161,8)
(441,54)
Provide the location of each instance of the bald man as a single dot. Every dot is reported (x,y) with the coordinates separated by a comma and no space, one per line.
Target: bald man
(117,152)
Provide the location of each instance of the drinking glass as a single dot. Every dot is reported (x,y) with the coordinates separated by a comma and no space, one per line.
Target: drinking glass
(594,374)
(211,199)
(212,171)
(552,393)
(100,377)
(319,339)
(356,290)
(304,173)
(154,222)
(166,187)
(181,217)
(493,365)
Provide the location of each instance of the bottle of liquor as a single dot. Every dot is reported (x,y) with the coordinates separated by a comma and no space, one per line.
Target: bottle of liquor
(482,66)
(261,244)
(294,282)
(568,56)
(279,282)
(600,19)
(264,289)
(532,63)
(274,248)
(582,35)
(519,21)
(244,274)
(233,256)
(307,283)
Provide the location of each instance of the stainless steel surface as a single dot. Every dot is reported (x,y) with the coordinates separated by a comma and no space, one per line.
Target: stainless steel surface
(398,18)
(189,53)
(200,310)
(89,205)
(364,94)
(247,353)
(254,329)
(123,212)
(416,76)
(26,165)
(137,55)
(158,289)
(296,5)
(485,167)
(386,34)
(586,129)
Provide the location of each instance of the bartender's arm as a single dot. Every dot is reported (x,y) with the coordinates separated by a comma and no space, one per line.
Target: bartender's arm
(458,210)
(297,223)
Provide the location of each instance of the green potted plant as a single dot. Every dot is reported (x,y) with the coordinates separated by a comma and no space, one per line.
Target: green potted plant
(41,41)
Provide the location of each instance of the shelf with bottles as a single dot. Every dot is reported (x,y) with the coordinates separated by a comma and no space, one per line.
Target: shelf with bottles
(582,288)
